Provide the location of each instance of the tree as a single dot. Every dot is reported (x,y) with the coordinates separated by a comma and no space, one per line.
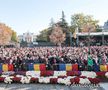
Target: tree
(5,34)
(98,28)
(89,28)
(57,36)
(63,22)
(65,28)
(51,28)
(43,35)
(80,21)
(51,23)
(14,37)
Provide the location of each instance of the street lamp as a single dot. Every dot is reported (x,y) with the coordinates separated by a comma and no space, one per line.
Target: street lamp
(77,31)
(70,38)
(89,29)
(102,37)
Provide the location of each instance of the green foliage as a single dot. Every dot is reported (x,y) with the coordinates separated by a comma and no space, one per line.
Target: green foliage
(80,20)
(72,29)
(51,25)
(77,21)
(51,28)
(63,22)
(98,30)
(14,37)
(43,35)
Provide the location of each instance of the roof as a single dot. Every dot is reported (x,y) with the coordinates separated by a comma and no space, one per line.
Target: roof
(92,33)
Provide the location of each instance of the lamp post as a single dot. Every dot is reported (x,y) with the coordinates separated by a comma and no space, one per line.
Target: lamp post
(70,38)
(77,40)
(102,37)
(89,38)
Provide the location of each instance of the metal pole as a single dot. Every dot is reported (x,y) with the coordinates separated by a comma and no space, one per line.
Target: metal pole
(102,37)
(77,40)
(89,39)
(70,38)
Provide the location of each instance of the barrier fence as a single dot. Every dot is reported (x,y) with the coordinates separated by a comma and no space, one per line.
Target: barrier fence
(56,67)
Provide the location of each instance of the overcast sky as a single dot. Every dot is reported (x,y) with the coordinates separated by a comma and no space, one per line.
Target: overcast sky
(35,15)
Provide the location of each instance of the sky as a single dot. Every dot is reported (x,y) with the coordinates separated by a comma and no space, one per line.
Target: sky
(35,15)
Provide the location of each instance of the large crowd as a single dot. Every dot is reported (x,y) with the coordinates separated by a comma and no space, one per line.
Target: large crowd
(20,57)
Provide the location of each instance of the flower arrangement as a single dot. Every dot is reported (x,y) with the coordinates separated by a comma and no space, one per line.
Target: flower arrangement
(53,77)
(50,80)
(8,79)
(88,74)
(59,73)
(44,80)
(106,74)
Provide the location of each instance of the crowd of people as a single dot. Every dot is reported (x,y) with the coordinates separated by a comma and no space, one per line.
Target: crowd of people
(20,57)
